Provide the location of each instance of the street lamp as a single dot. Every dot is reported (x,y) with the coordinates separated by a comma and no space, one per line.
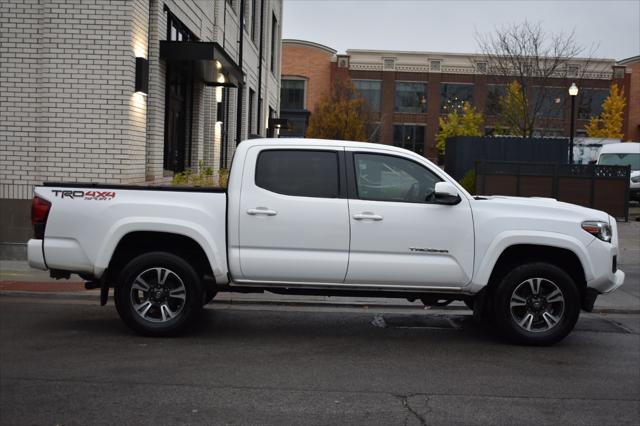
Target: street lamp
(573,92)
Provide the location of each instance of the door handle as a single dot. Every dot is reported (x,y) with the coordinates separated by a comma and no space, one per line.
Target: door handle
(262,210)
(367,216)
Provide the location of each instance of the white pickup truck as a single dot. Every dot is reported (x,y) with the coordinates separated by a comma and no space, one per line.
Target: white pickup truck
(322,217)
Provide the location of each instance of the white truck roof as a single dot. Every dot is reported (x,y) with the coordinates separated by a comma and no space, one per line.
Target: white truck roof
(621,148)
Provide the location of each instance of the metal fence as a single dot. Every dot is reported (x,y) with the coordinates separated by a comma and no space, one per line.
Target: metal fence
(600,187)
(462,152)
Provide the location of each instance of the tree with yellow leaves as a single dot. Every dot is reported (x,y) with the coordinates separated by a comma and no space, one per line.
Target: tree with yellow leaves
(341,115)
(609,123)
(513,112)
(467,122)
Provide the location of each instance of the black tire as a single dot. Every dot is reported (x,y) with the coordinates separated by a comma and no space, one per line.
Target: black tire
(210,293)
(470,303)
(542,318)
(169,305)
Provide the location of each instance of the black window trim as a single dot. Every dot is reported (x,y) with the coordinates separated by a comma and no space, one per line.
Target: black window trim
(342,174)
(351,173)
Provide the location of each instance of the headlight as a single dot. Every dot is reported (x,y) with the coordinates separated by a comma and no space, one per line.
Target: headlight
(598,229)
(635,179)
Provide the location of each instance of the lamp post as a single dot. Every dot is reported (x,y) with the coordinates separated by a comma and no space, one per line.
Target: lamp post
(573,92)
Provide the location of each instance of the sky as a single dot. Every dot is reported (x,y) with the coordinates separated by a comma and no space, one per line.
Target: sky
(610,26)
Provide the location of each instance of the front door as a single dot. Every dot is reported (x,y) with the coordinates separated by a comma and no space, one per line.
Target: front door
(294,219)
(177,135)
(399,235)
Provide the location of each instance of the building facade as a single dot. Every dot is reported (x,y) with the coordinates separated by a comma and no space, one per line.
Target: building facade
(408,91)
(306,80)
(632,111)
(128,91)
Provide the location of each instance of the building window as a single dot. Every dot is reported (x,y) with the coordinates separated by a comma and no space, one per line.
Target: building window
(549,101)
(547,133)
(274,36)
(370,91)
(177,31)
(411,97)
(254,19)
(481,67)
(296,124)
(454,95)
(409,137)
(251,112)
(292,94)
(590,102)
(494,93)
(179,82)
(299,173)
(435,66)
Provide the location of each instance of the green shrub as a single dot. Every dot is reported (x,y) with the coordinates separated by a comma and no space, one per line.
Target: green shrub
(204,177)
(223,178)
(468,181)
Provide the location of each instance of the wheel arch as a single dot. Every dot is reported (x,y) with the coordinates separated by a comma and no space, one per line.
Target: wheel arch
(136,243)
(519,254)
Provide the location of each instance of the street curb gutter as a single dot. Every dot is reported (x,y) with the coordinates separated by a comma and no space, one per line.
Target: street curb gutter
(95,296)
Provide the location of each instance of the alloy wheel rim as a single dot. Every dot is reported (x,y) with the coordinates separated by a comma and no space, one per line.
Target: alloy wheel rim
(537,305)
(158,295)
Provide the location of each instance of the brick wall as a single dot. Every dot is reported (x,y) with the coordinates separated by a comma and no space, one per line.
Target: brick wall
(68,108)
(311,63)
(68,111)
(632,130)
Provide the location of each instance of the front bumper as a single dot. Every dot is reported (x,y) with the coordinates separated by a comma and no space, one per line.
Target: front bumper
(35,255)
(611,285)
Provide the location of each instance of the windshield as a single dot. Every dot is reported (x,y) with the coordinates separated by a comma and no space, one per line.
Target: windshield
(630,159)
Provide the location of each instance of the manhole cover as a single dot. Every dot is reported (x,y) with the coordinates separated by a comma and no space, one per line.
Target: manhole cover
(417,321)
(601,325)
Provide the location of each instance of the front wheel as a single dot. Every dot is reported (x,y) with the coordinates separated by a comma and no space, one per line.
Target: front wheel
(536,304)
(158,294)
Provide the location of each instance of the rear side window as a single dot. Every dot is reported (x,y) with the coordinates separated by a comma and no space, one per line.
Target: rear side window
(302,173)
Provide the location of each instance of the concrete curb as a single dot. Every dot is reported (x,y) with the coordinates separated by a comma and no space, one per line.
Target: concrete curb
(94,295)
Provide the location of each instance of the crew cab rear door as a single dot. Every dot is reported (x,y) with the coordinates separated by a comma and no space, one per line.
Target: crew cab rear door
(293,217)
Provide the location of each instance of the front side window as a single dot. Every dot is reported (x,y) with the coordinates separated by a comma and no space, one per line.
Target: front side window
(370,91)
(292,94)
(453,96)
(301,173)
(409,137)
(411,97)
(390,178)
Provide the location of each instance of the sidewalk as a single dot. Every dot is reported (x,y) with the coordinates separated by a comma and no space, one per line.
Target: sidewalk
(18,279)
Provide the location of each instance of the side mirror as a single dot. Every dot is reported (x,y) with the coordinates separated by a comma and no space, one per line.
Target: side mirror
(445,193)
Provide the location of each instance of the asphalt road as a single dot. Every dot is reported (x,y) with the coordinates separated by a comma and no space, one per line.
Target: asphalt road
(72,362)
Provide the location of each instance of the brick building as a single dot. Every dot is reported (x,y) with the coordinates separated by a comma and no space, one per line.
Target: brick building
(632,112)
(409,91)
(128,91)
(306,80)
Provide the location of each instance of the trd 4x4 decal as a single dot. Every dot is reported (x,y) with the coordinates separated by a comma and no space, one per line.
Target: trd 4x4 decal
(84,195)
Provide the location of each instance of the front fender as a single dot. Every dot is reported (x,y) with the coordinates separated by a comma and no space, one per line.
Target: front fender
(485,264)
(216,255)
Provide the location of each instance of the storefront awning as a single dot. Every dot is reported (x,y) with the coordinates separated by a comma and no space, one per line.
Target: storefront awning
(211,58)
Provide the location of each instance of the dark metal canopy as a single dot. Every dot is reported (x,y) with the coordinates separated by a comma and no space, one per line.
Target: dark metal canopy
(206,54)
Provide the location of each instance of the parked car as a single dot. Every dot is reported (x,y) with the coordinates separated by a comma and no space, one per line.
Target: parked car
(335,218)
(624,154)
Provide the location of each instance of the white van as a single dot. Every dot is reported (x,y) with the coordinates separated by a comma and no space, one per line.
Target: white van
(624,154)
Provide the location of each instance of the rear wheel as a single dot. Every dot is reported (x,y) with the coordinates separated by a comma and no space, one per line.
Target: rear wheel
(158,294)
(536,304)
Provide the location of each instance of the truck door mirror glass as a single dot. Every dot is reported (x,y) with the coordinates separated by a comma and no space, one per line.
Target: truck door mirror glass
(445,193)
